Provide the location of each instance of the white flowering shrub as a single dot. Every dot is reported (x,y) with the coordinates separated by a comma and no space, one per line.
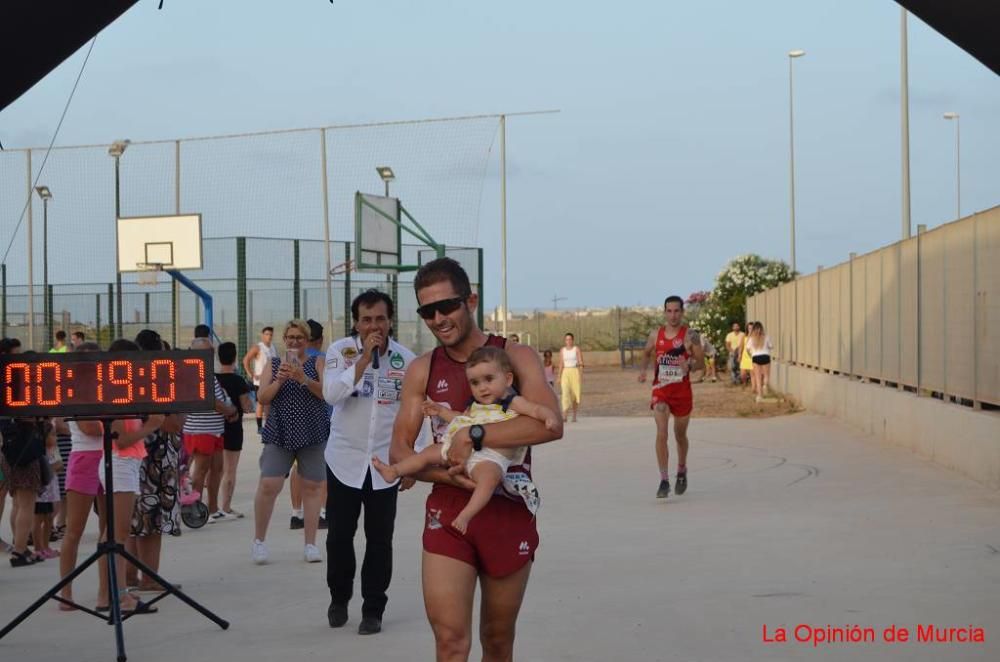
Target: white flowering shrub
(744,276)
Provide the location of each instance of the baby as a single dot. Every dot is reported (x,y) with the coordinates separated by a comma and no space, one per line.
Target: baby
(491,377)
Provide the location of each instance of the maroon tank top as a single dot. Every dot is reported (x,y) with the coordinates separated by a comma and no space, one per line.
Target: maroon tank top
(447,383)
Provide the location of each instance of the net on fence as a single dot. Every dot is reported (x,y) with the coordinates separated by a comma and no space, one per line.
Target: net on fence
(270,188)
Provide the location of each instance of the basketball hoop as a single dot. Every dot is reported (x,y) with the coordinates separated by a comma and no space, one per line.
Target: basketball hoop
(342,268)
(149,272)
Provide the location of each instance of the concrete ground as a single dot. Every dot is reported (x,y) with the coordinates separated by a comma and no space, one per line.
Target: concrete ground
(788,521)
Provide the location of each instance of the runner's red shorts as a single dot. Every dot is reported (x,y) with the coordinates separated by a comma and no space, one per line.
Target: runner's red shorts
(206,444)
(677,397)
(500,540)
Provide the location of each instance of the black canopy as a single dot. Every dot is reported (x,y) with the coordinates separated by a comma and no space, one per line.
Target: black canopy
(39,35)
(974,25)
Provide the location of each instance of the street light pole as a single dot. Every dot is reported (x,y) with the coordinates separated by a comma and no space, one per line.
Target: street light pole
(503,224)
(904,117)
(958,163)
(118,276)
(116,150)
(45,194)
(45,271)
(791,148)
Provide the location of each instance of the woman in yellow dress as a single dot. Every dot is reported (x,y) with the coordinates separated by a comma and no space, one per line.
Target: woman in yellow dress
(746,363)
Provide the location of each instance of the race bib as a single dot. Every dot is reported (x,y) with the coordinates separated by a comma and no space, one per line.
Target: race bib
(669,374)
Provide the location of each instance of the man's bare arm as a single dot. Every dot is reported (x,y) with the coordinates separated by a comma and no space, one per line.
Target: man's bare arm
(409,420)
(694,346)
(248,358)
(647,355)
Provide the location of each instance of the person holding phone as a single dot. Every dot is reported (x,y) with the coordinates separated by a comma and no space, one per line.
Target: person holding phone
(295,432)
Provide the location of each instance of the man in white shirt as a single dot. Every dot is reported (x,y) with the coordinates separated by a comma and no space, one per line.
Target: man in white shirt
(256,360)
(362,381)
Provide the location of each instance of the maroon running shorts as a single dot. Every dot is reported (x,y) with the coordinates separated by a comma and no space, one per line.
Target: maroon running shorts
(501,538)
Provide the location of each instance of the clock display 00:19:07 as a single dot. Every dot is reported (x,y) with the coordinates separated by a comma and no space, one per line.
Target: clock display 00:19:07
(105,383)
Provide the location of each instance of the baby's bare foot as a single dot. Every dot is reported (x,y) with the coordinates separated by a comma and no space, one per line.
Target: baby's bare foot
(385,470)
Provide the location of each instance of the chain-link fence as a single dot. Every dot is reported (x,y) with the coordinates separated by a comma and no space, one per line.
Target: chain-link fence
(288,193)
(253,283)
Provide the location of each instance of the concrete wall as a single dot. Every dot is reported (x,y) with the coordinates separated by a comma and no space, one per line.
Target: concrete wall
(951,435)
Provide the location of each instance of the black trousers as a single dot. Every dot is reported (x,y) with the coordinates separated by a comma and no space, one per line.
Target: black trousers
(343,509)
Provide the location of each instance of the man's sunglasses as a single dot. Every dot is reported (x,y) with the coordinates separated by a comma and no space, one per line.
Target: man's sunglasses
(444,306)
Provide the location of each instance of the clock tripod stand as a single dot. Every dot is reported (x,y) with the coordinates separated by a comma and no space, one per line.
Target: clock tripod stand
(110,549)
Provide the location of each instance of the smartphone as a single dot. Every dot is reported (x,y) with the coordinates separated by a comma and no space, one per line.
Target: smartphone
(291,357)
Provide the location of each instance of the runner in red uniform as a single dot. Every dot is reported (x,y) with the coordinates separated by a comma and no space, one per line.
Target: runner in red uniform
(499,546)
(675,347)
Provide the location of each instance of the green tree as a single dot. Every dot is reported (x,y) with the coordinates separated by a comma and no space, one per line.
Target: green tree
(744,276)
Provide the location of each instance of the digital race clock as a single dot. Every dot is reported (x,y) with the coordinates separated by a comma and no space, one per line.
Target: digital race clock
(107,383)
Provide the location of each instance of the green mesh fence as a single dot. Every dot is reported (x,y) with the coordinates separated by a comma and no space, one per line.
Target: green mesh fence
(274,189)
(267,281)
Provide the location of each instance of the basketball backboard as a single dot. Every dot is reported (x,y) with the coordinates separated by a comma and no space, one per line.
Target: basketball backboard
(378,233)
(162,242)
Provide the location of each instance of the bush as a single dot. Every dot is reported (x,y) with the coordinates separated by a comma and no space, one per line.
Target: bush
(743,277)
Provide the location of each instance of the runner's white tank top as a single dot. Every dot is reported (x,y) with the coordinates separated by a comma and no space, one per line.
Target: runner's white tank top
(570,357)
(263,358)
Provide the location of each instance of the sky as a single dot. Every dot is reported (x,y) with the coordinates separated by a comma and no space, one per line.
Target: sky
(669,155)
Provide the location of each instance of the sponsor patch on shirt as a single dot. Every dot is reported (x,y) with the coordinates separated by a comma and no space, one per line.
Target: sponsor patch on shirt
(388,390)
(397,361)
(332,362)
(349,352)
(395,374)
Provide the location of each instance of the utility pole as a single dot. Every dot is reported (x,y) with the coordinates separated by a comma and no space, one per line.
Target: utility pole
(555,301)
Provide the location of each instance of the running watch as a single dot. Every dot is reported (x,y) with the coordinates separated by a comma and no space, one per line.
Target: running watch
(477,433)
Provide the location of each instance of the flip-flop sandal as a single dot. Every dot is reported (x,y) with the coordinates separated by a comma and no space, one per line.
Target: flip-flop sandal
(140,608)
(65,607)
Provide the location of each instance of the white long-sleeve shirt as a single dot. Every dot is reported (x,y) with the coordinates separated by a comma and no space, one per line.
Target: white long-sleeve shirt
(364,410)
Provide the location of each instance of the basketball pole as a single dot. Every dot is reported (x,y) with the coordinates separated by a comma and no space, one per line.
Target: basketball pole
(326,233)
(503,225)
(206,298)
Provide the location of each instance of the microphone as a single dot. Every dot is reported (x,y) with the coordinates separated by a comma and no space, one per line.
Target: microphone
(375,359)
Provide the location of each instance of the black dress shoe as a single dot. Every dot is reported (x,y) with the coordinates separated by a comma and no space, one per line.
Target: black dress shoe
(370,625)
(337,615)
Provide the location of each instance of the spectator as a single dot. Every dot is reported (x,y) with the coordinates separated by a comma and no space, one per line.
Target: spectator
(295,433)
(734,346)
(238,391)
(570,376)
(256,360)
(365,398)
(157,510)
(24,443)
(203,440)
(60,346)
(759,347)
